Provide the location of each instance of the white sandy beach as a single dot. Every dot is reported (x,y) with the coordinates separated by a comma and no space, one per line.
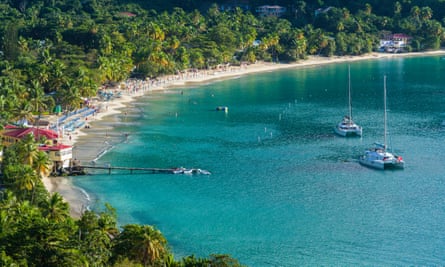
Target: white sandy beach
(139,88)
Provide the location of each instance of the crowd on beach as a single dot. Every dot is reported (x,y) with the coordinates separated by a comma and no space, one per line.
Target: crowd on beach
(133,86)
(111,98)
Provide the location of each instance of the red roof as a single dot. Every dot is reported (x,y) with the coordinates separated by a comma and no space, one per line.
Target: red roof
(127,14)
(54,148)
(401,35)
(17,132)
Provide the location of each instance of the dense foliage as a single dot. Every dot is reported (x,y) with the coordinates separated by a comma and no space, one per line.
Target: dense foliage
(55,52)
(36,228)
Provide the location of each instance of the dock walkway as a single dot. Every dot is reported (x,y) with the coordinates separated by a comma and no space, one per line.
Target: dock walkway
(149,170)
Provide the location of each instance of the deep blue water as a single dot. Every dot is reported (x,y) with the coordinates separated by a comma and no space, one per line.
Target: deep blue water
(284,190)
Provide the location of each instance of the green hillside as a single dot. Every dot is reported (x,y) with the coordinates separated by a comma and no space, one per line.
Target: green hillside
(55,52)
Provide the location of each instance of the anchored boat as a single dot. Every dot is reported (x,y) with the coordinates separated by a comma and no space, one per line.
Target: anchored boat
(347,127)
(378,157)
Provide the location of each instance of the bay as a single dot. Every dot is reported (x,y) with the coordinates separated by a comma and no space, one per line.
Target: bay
(284,189)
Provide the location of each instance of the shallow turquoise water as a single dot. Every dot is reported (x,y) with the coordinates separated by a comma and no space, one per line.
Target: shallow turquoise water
(284,190)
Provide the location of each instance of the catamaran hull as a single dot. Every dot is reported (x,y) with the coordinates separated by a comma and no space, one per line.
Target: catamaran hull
(382,165)
(347,133)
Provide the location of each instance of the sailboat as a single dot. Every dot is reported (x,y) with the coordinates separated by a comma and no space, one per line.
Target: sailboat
(378,157)
(347,127)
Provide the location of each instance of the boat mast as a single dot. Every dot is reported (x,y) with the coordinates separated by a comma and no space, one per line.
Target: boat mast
(349,92)
(384,106)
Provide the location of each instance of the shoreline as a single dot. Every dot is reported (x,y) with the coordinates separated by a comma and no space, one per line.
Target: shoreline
(78,200)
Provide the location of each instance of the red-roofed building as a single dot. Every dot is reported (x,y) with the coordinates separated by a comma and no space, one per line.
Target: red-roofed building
(61,155)
(12,134)
(394,43)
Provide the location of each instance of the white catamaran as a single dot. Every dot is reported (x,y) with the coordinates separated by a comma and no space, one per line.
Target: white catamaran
(378,157)
(347,127)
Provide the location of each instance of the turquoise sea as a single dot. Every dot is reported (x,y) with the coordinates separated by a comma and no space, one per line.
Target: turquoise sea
(284,189)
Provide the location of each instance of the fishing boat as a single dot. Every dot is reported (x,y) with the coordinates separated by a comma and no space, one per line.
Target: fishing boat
(347,127)
(379,157)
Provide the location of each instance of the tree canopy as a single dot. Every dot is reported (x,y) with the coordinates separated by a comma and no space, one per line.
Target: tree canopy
(55,52)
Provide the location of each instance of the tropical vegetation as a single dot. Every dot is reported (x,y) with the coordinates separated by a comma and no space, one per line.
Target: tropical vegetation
(55,52)
(58,52)
(36,228)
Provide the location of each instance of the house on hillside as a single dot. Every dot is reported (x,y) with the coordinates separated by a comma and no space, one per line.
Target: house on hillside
(12,134)
(267,11)
(394,43)
(60,155)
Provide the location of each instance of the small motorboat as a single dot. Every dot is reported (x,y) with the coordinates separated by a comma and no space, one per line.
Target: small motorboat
(179,170)
(187,171)
(222,108)
(182,170)
(200,171)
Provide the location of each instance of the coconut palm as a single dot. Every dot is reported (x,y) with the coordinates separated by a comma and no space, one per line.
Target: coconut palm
(37,97)
(152,245)
(97,248)
(22,111)
(27,149)
(42,164)
(25,181)
(143,244)
(55,208)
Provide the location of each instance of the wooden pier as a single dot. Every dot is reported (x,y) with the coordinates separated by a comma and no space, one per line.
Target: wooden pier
(131,169)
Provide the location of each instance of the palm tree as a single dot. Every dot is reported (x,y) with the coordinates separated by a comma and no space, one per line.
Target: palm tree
(300,42)
(37,97)
(83,80)
(70,97)
(25,181)
(143,244)
(96,234)
(27,149)
(97,248)
(23,111)
(426,13)
(340,26)
(415,13)
(55,208)
(8,201)
(152,245)
(58,76)
(42,164)
(155,32)
(397,9)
